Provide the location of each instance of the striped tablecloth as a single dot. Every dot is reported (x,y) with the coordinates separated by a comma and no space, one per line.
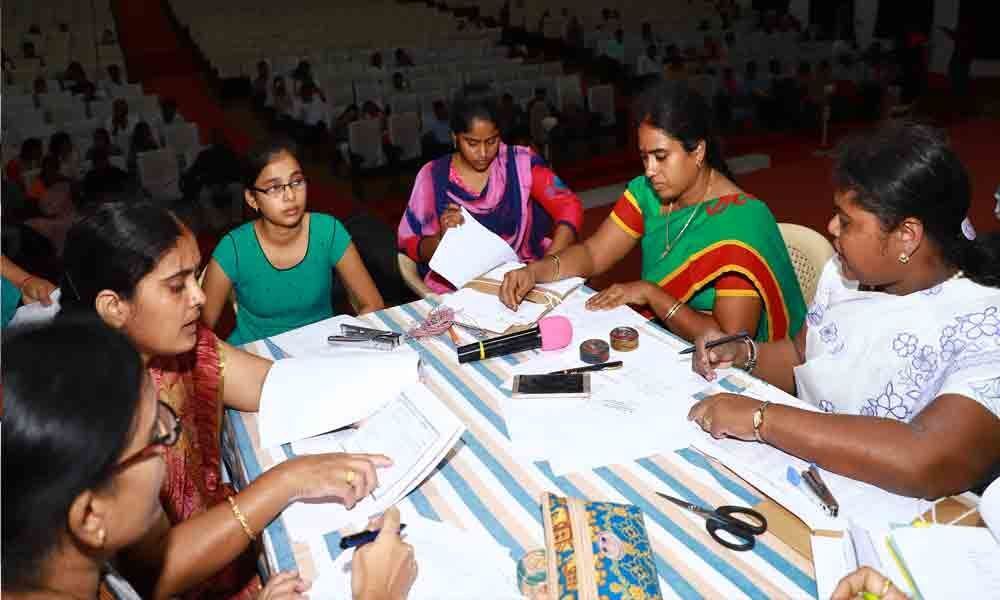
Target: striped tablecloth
(483,487)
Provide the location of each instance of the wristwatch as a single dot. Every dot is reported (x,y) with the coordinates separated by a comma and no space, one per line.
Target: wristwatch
(758,420)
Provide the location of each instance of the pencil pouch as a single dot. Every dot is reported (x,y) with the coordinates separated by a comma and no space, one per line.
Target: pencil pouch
(597,551)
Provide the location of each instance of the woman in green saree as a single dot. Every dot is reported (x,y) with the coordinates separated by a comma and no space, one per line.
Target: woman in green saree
(712,256)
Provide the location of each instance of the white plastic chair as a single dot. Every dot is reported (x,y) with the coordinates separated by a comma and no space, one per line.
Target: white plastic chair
(364,138)
(601,100)
(809,251)
(412,278)
(404,132)
(159,174)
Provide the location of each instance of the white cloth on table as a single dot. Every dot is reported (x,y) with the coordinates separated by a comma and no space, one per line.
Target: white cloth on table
(876,354)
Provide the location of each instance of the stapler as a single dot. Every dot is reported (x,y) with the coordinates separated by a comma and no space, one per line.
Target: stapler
(364,337)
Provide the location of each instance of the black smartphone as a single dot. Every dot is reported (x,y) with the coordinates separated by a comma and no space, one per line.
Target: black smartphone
(572,385)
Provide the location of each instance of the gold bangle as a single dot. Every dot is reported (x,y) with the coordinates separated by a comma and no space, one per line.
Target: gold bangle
(673,310)
(555,257)
(239,517)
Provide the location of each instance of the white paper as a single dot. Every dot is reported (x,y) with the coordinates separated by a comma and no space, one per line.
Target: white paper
(416,430)
(989,508)
(633,412)
(303,397)
(453,564)
(36,312)
(829,563)
(950,561)
(766,468)
(469,250)
(311,340)
(485,311)
(561,288)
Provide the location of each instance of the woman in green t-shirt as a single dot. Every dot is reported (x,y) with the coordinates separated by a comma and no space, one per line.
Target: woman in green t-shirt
(280,265)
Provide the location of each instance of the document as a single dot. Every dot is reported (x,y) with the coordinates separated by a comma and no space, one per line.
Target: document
(469,250)
(303,397)
(834,557)
(766,468)
(560,288)
(633,412)
(453,564)
(36,312)
(485,311)
(949,561)
(415,429)
(312,339)
(989,508)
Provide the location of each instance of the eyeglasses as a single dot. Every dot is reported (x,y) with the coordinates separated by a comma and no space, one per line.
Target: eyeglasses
(278,190)
(168,431)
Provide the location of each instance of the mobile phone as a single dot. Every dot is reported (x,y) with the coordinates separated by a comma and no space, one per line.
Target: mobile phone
(572,385)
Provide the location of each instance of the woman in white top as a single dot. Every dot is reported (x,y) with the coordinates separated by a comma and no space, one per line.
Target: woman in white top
(901,351)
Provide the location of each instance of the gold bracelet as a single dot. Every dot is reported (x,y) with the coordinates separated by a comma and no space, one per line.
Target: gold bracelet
(239,517)
(673,310)
(555,257)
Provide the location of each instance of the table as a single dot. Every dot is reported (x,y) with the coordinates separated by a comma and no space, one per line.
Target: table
(481,486)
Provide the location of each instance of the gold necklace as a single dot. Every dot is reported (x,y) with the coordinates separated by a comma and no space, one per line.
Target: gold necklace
(669,244)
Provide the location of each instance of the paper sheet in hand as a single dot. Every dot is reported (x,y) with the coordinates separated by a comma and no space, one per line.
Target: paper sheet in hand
(303,397)
(469,250)
(454,565)
(949,561)
(766,468)
(36,312)
(415,429)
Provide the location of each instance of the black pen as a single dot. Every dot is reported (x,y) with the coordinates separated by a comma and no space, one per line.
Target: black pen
(722,340)
(361,538)
(608,366)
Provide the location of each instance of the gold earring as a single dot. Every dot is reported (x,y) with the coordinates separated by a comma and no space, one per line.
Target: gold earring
(102,534)
(904,258)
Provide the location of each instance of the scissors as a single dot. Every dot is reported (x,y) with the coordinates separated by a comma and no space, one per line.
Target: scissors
(744,528)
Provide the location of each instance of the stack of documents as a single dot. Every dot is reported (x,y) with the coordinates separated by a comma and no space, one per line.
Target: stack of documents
(307,396)
(453,564)
(942,562)
(415,429)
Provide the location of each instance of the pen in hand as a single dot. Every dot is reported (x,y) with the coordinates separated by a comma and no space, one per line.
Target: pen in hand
(364,537)
(722,340)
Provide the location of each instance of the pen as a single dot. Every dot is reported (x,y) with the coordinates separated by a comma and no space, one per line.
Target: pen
(608,366)
(361,538)
(816,484)
(718,342)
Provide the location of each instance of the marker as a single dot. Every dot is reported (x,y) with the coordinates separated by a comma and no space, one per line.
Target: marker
(722,340)
(361,538)
(608,366)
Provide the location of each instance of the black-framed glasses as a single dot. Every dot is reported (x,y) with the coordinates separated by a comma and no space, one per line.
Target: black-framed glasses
(278,190)
(168,431)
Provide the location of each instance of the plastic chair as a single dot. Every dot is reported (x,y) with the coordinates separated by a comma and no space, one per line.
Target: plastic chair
(408,269)
(809,251)
(601,100)
(159,174)
(404,132)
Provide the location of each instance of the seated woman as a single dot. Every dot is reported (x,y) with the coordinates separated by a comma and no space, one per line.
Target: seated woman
(143,140)
(96,437)
(281,264)
(901,351)
(712,256)
(134,265)
(508,189)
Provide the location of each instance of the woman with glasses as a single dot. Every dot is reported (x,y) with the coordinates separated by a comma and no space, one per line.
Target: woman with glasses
(84,441)
(281,264)
(134,265)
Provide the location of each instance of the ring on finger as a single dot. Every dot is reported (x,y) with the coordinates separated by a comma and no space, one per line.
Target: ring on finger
(885,587)
(706,422)
(349,476)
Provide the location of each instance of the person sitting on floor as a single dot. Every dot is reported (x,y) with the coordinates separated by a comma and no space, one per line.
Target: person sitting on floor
(281,265)
(901,349)
(509,189)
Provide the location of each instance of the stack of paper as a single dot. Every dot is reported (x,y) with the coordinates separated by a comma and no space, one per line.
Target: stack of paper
(766,468)
(485,311)
(303,397)
(416,430)
(469,250)
(35,313)
(453,564)
(948,561)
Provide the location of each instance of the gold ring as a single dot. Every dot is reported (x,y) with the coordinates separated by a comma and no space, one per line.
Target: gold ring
(885,587)
(706,422)
(349,477)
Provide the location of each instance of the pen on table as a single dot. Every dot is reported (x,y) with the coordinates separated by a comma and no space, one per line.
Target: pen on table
(361,538)
(608,366)
(718,342)
(795,478)
(818,486)
(454,336)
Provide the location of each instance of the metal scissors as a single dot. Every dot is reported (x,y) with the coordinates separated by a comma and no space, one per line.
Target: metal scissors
(739,523)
